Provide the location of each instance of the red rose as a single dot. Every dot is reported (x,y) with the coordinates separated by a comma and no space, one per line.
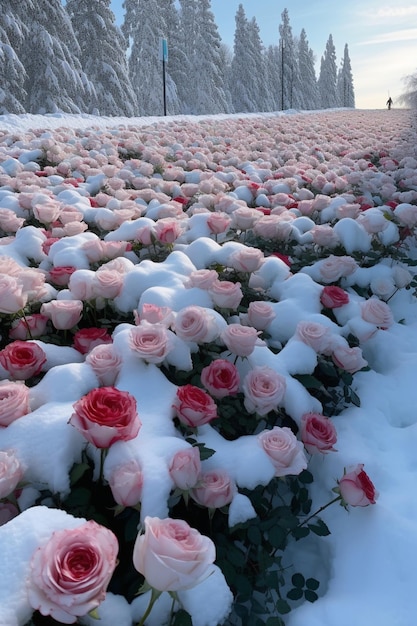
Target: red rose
(220,378)
(318,433)
(106,415)
(333,297)
(193,406)
(22,359)
(86,339)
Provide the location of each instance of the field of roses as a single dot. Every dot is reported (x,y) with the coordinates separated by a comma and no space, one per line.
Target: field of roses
(183,310)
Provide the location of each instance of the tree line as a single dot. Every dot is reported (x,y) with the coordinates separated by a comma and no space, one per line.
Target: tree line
(74,58)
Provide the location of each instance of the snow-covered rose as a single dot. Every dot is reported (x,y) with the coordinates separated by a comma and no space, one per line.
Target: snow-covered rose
(107,283)
(260,314)
(315,335)
(12,297)
(220,378)
(171,555)
(64,314)
(85,339)
(335,267)
(356,488)
(203,279)
(324,235)
(226,294)
(81,284)
(244,218)
(406,214)
(151,342)
(28,327)
(22,359)
(195,323)
(218,222)
(284,450)
(154,314)
(14,401)
(60,275)
(377,312)
(264,390)
(167,230)
(348,359)
(240,340)
(246,259)
(105,362)
(11,472)
(215,489)
(318,433)
(185,467)
(69,574)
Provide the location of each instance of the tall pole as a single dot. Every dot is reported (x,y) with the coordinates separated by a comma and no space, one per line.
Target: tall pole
(164,85)
(282,74)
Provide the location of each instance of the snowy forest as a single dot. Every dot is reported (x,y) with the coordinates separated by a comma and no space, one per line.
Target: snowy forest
(74,58)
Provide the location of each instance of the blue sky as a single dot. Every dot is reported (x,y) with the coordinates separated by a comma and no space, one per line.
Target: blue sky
(382,37)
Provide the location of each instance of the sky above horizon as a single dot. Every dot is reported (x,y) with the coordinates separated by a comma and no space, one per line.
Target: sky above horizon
(381,37)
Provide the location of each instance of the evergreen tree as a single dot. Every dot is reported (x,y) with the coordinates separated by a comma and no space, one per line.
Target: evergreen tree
(175,66)
(188,37)
(243,99)
(290,78)
(258,69)
(327,82)
(103,57)
(12,72)
(309,89)
(345,91)
(273,70)
(50,55)
(409,96)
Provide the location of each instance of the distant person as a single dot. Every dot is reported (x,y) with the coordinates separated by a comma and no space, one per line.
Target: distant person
(389,103)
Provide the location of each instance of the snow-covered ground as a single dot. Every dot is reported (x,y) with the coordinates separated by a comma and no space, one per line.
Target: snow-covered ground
(367,563)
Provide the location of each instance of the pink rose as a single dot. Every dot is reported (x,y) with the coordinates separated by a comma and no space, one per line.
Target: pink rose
(246,259)
(126,482)
(167,230)
(154,314)
(185,467)
(29,327)
(245,217)
(195,323)
(60,275)
(334,267)
(33,283)
(171,555)
(193,406)
(348,359)
(22,359)
(81,284)
(47,212)
(240,340)
(324,235)
(107,283)
(105,363)
(406,214)
(264,389)
(284,450)
(333,297)
(215,489)
(356,488)
(11,472)
(226,294)
(86,339)
(12,297)
(318,433)
(203,279)
(260,314)
(9,222)
(377,312)
(64,314)
(220,378)
(315,335)
(218,222)
(71,572)
(14,401)
(151,342)
(106,415)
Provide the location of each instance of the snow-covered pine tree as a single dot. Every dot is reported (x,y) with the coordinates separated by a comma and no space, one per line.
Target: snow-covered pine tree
(103,57)
(409,95)
(188,35)
(273,59)
(55,79)
(290,78)
(309,89)
(327,81)
(12,72)
(345,91)
(240,85)
(175,66)
(258,69)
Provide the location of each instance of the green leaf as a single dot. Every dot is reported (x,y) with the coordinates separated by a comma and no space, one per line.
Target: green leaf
(305,477)
(254,535)
(354,398)
(282,607)
(312,583)
(295,594)
(182,618)
(94,614)
(77,472)
(274,621)
(298,580)
(300,532)
(308,381)
(319,528)
(310,596)
(277,536)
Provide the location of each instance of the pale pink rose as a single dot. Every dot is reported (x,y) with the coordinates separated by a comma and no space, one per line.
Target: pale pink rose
(348,359)
(14,401)
(7,512)
(244,218)
(335,267)
(9,222)
(373,220)
(284,450)
(240,340)
(150,342)
(22,359)
(264,390)
(333,297)
(106,415)
(81,284)
(185,467)
(11,472)
(226,294)
(220,378)
(72,228)
(324,235)
(377,312)
(218,222)
(12,297)
(348,210)
(260,314)
(28,327)
(70,214)
(105,362)
(126,483)
(60,275)
(195,323)
(33,283)
(145,235)
(69,574)
(10,267)
(154,314)
(193,406)
(167,230)
(356,488)
(246,260)
(171,555)
(383,287)
(402,277)
(64,314)
(86,339)
(267,226)
(93,249)
(107,283)
(318,433)
(47,212)
(315,335)
(114,249)
(406,214)
(203,279)
(215,489)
